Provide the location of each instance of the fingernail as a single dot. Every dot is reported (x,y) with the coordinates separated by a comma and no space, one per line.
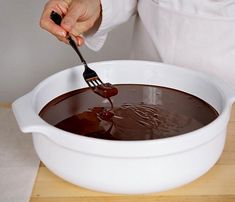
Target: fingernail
(62,33)
(80,42)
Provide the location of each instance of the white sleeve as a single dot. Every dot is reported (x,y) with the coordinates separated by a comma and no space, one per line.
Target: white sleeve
(114,12)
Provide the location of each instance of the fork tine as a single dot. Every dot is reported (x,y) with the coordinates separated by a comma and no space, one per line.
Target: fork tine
(88,84)
(96,81)
(92,81)
(100,80)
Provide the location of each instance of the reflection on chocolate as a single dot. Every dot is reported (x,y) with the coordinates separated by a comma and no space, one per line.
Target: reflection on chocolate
(139,112)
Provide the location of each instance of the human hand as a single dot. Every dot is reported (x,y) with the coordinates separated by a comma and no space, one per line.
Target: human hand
(79,17)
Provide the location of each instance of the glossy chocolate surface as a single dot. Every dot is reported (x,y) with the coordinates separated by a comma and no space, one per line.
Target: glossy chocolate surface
(139,112)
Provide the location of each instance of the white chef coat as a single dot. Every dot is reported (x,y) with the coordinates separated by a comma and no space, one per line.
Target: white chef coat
(197,34)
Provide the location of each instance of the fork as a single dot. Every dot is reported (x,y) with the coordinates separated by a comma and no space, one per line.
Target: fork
(90,76)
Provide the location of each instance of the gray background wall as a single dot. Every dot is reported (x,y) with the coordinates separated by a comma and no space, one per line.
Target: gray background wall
(29,54)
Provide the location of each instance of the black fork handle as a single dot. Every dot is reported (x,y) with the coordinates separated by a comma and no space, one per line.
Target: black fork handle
(56,18)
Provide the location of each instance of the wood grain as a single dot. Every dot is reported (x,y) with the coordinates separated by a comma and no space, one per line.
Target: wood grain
(217,185)
(5,105)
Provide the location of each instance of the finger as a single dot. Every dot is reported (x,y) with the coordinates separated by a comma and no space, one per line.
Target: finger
(82,27)
(45,21)
(63,39)
(80,40)
(74,12)
(53,28)
(64,5)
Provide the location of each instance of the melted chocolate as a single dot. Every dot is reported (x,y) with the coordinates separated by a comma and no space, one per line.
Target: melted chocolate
(139,112)
(106,90)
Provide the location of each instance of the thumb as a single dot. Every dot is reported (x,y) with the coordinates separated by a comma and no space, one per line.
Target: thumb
(74,12)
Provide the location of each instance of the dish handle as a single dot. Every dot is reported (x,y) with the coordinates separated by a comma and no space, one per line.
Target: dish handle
(26,117)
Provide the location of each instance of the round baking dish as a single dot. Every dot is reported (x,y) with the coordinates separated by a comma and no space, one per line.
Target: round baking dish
(128,167)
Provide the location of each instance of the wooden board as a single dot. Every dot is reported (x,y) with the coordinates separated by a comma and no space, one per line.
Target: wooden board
(218,185)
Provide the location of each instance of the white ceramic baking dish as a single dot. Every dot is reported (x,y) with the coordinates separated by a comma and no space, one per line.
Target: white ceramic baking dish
(128,167)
